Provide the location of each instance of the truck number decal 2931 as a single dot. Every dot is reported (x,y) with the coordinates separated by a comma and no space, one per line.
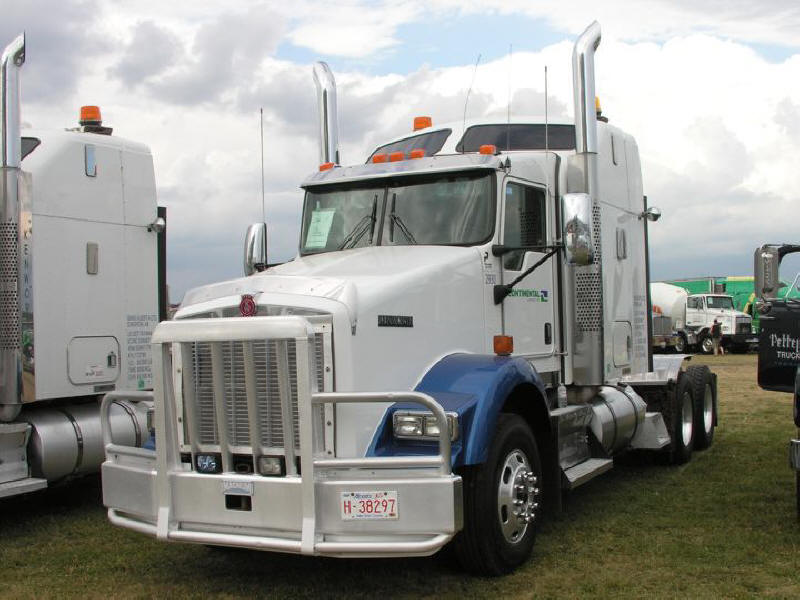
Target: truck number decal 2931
(395,321)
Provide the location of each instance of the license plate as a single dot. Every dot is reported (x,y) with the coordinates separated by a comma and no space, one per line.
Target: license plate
(368,505)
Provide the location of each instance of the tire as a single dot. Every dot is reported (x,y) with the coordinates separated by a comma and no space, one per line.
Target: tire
(680,345)
(707,345)
(494,540)
(681,422)
(705,405)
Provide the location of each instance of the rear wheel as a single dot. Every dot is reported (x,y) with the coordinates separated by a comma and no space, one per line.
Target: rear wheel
(680,345)
(705,405)
(502,502)
(707,345)
(679,414)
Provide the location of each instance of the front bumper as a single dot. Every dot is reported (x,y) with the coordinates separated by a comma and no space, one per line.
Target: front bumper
(740,338)
(794,454)
(156,493)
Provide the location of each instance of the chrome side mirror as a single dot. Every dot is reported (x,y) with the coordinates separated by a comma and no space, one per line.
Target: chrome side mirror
(766,261)
(255,249)
(578,234)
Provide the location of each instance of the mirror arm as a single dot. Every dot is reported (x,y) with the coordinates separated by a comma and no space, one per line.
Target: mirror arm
(500,249)
(501,290)
(787,249)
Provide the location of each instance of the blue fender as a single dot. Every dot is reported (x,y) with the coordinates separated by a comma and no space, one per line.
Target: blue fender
(472,385)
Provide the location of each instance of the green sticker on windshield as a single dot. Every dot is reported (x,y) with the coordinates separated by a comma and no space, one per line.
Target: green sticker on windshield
(319,228)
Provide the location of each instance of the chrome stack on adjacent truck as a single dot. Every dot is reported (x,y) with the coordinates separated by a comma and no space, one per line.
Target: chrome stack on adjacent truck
(79,289)
(779,338)
(462,337)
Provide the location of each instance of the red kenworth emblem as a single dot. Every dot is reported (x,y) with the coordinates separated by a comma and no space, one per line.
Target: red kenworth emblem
(248,306)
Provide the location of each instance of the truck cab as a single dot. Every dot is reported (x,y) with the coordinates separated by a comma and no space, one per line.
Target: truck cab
(703,309)
(462,336)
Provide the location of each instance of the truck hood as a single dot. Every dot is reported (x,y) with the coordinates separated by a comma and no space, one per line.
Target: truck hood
(361,277)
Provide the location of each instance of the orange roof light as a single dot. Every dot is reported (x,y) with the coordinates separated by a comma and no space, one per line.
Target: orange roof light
(380,158)
(503,345)
(395,156)
(417,153)
(326,166)
(90,114)
(488,149)
(422,122)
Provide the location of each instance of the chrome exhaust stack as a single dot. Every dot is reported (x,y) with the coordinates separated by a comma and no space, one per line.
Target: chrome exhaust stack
(10,160)
(328,119)
(587,282)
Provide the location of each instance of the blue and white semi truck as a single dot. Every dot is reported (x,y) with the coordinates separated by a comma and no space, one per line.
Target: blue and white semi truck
(462,336)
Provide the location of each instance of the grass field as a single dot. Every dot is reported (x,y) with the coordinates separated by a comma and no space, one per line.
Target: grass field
(723,525)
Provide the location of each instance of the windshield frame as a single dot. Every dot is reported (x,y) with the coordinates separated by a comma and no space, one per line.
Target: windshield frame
(387,183)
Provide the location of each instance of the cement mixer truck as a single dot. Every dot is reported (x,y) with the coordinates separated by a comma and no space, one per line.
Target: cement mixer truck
(462,338)
(81,266)
(692,316)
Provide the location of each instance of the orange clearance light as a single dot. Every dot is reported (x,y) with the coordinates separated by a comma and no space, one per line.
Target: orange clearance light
(326,166)
(422,122)
(417,153)
(503,345)
(90,115)
(380,158)
(488,149)
(395,156)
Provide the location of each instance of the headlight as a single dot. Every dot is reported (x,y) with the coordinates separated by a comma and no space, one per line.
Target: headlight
(422,425)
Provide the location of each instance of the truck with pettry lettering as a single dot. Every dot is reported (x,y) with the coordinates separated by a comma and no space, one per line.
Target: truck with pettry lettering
(81,272)
(779,340)
(462,338)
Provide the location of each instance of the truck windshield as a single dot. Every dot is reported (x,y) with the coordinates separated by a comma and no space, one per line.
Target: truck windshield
(720,302)
(442,210)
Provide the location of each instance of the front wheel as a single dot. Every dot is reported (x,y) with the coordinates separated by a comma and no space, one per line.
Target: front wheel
(707,345)
(680,345)
(502,502)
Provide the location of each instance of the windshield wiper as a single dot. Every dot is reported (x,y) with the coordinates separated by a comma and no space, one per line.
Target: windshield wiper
(395,220)
(361,228)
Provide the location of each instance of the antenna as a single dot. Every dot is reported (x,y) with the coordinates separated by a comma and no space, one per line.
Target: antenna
(546,139)
(263,203)
(466,100)
(508,116)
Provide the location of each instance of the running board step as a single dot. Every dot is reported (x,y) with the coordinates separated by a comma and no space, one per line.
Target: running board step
(586,471)
(22,486)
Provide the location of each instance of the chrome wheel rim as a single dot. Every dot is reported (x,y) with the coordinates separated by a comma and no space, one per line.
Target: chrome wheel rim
(687,419)
(708,409)
(517,496)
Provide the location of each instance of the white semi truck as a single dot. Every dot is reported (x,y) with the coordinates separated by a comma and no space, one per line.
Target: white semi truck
(79,283)
(462,337)
(693,315)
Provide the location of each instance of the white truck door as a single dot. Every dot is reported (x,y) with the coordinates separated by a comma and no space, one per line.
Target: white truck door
(528,311)
(695,311)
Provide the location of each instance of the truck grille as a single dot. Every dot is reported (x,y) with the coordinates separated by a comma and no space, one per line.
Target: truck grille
(214,370)
(743,325)
(267,386)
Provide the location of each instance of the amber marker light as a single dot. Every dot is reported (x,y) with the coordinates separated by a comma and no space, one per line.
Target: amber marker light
(488,149)
(90,115)
(503,345)
(326,166)
(380,158)
(395,156)
(422,122)
(418,153)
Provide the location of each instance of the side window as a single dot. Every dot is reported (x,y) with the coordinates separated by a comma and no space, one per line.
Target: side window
(523,222)
(691,303)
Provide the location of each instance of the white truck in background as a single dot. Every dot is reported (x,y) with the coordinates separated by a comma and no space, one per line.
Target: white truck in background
(692,316)
(81,267)
(462,337)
